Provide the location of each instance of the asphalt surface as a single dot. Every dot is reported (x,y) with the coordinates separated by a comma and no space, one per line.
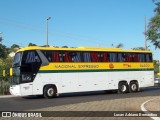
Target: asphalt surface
(33,102)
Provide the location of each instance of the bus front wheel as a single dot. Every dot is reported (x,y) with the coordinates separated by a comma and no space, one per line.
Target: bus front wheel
(49,91)
(123,87)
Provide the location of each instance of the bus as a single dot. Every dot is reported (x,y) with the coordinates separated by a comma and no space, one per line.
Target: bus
(51,71)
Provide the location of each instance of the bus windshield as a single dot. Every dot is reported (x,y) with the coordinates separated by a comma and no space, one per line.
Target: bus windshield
(17,59)
(15,79)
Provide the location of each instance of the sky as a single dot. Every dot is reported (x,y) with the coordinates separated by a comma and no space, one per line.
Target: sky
(74,23)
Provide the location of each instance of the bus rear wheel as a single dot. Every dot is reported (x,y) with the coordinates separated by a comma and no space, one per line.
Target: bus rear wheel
(133,87)
(49,91)
(123,87)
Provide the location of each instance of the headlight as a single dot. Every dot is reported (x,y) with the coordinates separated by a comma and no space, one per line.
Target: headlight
(26,77)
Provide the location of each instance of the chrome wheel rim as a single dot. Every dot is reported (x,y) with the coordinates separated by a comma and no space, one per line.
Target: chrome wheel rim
(50,92)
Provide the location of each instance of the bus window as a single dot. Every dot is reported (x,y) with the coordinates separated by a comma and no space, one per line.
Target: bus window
(61,56)
(48,55)
(112,57)
(135,57)
(148,57)
(56,57)
(76,56)
(30,57)
(94,57)
(104,57)
(86,57)
(67,57)
(121,57)
(141,57)
(17,59)
(128,57)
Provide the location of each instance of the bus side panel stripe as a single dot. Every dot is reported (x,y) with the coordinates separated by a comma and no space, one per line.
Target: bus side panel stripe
(101,70)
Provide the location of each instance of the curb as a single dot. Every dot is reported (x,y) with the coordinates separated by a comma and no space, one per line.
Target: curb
(147,112)
(6,96)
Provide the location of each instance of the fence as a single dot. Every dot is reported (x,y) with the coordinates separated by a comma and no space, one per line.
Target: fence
(4,85)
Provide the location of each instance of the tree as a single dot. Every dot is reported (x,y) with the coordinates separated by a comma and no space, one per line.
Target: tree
(32,44)
(3,51)
(156,66)
(14,48)
(5,64)
(65,46)
(139,48)
(1,39)
(120,45)
(153,32)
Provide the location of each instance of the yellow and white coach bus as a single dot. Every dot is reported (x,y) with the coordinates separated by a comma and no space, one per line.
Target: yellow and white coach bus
(50,71)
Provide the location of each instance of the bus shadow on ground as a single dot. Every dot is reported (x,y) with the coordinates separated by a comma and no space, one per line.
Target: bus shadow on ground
(95,93)
(75,94)
(34,102)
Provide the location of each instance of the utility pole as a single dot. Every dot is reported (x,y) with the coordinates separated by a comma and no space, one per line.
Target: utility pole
(47,30)
(145,39)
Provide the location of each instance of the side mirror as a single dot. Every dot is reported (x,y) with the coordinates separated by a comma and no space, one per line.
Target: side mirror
(4,73)
(11,71)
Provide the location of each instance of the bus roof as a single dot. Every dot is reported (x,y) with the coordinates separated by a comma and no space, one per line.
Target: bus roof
(100,49)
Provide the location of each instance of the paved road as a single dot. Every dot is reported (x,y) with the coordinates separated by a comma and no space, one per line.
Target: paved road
(34,103)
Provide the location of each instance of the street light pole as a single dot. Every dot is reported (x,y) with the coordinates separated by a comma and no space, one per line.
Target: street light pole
(47,30)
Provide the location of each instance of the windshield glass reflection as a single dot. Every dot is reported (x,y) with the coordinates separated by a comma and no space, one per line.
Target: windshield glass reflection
(17,59)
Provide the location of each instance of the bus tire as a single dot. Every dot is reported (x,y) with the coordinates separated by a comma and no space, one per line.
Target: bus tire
(49,91)
(123,87)
(133,87)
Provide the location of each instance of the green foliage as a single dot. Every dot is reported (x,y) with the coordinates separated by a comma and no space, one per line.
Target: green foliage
(1,39)
(153,32)
(156,67)
(5,64)
(14,48)
(65,46)
(3,51)
(32,44)
(139,48)
(120,45)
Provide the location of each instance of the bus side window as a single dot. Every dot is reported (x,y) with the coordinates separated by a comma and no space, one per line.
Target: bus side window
(141,57)
(121,57)
(61,56)
(67,57)
(56,57)
(128,57)
(94,57)
(48,55)
(112,57)
(135,57)
(148,57)
(104,57)
(86,57)
(76,56)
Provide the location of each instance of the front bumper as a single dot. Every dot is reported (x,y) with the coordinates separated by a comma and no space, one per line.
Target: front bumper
(15,90)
